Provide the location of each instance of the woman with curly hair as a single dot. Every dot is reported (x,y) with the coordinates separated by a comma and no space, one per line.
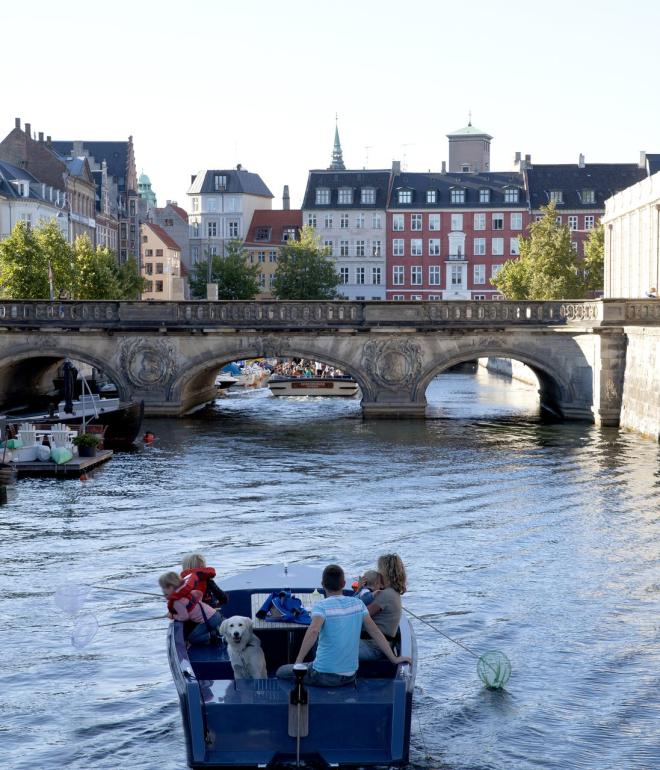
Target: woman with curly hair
(385,609)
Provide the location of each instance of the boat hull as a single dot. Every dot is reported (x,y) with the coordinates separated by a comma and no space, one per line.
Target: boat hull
(313,386)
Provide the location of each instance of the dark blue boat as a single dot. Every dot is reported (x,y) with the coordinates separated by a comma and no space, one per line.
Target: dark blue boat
(246,723)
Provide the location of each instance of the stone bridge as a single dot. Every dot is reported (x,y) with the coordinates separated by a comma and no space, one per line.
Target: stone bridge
(168,353)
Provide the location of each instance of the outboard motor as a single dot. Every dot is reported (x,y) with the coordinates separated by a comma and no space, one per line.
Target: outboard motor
(298,709)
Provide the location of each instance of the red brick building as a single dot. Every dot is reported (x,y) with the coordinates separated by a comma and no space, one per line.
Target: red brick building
(270,229)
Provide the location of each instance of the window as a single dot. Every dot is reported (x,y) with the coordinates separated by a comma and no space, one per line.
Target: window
(516,221)
(588,196)
(262,280)
(327,222)
(434,275)
(272,256)
(589,221)
(359,275)
(322,196)
(479,247)
(511,195)
(456,276)
(514,247)
(368,195)
(343,275)
(359,221)
(497,246)
(434,221)
(233,228)
(398,297)
(498,221)
(456,222)
(211,229)
(311,220)
(194,252)
(495,269)
(195,204)
(149,286)
(479,274)
(375,276)
(213,251)
(343,221)
(158,286)
(376,222)
(415,221)
(484,196)
(431,196)
(219,182)
(405,196)
(330,246)
(558,221)
(416,247)
(538,217)
(397,222)
(361,298)
(556,196)
(262,234)
(345,195)
(416,275)
(479,221)
(149,268)
(271,280)
(147,252)
(435,297)
(457,195)
(169,223)
(465,168)
(572,222)
(343,248)
(159,268)
(211,204)
(416,297)
(376,249)
(359,249)
(398,275)
(397,247)
(574,246)
(288,234)
(434,247)
(261,256)
(145,238)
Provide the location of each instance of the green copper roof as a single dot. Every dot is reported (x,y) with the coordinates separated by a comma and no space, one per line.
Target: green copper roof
(469,130)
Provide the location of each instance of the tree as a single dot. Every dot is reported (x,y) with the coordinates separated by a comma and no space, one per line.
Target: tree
(23,266)
(57,254)
(547,267)
(131,283)
(594,260)
(236,278)
(304,270)
(97,272)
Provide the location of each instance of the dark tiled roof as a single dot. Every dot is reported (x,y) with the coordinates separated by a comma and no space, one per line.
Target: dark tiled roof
(165,238)
(419,184)
(237,182)
(333,180)
(653,163)
(267,226)
(605,179)
(9,173)
(115,155)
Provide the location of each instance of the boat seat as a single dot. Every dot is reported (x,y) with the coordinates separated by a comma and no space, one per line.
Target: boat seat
(210,661)
(376,669)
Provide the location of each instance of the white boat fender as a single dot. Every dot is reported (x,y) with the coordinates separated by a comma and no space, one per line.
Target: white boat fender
(298,708)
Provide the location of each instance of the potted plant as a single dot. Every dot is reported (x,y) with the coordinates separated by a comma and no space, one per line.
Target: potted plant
(87,444)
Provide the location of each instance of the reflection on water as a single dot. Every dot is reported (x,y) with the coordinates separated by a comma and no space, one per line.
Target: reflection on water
(539,540)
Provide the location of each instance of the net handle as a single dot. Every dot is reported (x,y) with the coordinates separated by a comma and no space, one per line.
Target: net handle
(442,633)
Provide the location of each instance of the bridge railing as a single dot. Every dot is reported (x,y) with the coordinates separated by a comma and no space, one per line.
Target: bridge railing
(323,315)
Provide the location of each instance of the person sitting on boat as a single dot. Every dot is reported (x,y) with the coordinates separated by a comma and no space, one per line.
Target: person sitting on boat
(190,607)
(368,585)
(336,624)
(385,609)
(197,576)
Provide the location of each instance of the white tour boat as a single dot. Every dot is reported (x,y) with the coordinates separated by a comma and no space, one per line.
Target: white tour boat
(313,386)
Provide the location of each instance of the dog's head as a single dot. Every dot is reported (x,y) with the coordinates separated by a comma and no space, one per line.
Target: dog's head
(236,629)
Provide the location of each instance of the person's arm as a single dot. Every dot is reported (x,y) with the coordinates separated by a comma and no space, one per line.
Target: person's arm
(180,611)
(383,645)
(217,592)
(310,638)
(373,608)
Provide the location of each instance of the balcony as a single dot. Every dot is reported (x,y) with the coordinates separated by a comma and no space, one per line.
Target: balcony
(456,258)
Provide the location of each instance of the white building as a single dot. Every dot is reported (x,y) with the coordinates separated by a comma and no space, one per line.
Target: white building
(632,240)
(24,199)
(222,202)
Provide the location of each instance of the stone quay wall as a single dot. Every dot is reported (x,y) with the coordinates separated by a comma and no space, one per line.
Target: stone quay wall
(640,406)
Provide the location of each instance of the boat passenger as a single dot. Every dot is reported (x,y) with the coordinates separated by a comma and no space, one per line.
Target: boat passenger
(368,585)
(205,619)
(386,606)
(336,624)
(200,577)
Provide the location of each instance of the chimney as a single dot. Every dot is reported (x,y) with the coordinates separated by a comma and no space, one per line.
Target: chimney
(27,129)
(41,137)
(444,166)
(528,161)
(517,162)
(396,166)
(286,200)
(17,122)
(581,161)
(642,158)
(48,139)
(239,167)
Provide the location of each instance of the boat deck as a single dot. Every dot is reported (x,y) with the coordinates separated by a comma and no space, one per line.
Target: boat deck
(74,467)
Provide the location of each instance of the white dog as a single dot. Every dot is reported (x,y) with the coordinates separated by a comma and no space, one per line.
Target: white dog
(245,653)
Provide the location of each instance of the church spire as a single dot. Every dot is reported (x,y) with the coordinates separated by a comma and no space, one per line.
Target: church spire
(337,155)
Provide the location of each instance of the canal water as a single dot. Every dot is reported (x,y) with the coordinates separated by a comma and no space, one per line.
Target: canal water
(538,540)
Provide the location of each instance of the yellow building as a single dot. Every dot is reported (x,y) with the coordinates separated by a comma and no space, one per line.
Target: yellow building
(161,264)
(268,231)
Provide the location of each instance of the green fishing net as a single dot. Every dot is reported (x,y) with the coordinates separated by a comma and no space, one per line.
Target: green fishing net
(494,669)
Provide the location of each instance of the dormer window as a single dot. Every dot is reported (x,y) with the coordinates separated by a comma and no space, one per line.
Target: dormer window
(457,195)
(431,196)
(511,195)
(345,195)
(262,234)
(466,168)
(289,234)
(588,196)
(220,182)
(556,196)
(368,195)
(405,196)
(322,196)
(484,195)
(23,187)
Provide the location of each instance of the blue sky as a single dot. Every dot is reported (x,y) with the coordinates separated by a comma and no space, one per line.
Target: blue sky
(210,84)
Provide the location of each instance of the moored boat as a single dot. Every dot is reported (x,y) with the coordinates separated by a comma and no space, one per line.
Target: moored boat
(247,723)
(313,386)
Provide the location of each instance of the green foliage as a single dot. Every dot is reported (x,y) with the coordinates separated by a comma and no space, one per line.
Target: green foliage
(131,283)
(96,271)
(236,278)
(304,270)
(594,260)
(86,439)
(547,267)
(23,265)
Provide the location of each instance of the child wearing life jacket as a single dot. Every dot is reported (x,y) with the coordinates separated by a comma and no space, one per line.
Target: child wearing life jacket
(197,576)
(367,585)
(189,607)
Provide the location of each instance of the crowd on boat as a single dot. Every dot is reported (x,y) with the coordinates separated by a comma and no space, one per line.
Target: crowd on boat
(300,367)
(344,628)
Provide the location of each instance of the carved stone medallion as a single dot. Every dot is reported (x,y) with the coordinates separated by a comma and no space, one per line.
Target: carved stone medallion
(393,363)
(148,362)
